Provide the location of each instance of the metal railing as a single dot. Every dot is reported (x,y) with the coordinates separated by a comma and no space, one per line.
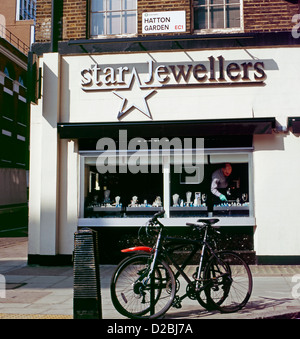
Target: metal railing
(14,40)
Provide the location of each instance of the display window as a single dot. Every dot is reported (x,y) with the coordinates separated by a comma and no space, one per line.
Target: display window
(122,194)
(198,197)
(158,182)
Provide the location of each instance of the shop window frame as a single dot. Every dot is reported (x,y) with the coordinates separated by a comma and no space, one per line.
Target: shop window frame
(166,198)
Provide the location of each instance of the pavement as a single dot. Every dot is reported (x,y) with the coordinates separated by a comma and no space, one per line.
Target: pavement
(40,292)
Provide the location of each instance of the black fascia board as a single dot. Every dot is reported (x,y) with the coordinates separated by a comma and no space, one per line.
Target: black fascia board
(242,126)
(181,37)
(167,43)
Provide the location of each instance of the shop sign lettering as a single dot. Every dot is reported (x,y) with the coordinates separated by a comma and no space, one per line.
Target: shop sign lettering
(107,78)
(213,72)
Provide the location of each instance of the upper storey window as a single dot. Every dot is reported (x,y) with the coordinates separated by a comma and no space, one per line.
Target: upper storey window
(26,9)
(113,17)
(216,15)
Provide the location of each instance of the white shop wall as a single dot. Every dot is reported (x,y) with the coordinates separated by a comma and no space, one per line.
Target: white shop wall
(276,192)
(276,232)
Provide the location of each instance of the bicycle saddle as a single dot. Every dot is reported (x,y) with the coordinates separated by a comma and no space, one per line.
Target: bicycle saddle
(206,222)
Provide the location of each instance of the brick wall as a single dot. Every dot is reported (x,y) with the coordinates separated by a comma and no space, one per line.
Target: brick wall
(268,15)
(43,21)
(259,15)
(74,19)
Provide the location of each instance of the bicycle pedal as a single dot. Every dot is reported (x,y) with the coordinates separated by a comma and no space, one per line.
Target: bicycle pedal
(177,303)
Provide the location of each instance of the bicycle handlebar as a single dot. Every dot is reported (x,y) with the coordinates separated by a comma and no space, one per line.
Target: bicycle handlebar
(156,215)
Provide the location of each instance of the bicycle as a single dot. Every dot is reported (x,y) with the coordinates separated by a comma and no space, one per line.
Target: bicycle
(144,285)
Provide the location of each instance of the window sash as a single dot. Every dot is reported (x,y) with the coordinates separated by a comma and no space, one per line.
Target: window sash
(26,10)
(113,17)
(218,14)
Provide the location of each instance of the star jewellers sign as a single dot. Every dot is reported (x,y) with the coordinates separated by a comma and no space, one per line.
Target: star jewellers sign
(214,72)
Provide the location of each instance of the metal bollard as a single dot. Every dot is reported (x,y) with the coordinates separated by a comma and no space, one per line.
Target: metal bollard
(87,290)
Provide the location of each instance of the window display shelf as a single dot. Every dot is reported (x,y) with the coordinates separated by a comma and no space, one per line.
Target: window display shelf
(188,209)
(114,209)
(143,209)
(168,222)
(107,209)
(231,208)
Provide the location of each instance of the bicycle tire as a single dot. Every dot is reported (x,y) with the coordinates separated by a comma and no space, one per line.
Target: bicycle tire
(204,301)
(231,282)
(133,299)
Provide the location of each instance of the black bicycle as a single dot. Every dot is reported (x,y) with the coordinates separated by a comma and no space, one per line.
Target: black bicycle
(146,284)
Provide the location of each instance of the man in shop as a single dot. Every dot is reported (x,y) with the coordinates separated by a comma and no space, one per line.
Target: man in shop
(219,184)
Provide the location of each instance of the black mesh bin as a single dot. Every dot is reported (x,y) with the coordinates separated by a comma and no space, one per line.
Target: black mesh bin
(87,291)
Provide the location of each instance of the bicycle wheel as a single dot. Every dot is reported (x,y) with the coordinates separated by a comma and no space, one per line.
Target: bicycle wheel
(136,296)
(230,285)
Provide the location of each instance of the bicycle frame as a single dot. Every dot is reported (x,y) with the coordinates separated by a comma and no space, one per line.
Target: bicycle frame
(156,284)
(164,248)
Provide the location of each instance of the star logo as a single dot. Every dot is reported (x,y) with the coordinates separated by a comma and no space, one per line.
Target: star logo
(131,101)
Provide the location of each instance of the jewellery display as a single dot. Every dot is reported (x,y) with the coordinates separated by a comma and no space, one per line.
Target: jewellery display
(157,202)
(197,200)
(145,204)
(204,198)
(244,197)
(106,197)
(117,200)
(231,203)
(175,200)
(239,202)
(188,198)
(134,202)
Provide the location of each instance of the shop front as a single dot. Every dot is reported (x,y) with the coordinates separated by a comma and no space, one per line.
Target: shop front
(122,136)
